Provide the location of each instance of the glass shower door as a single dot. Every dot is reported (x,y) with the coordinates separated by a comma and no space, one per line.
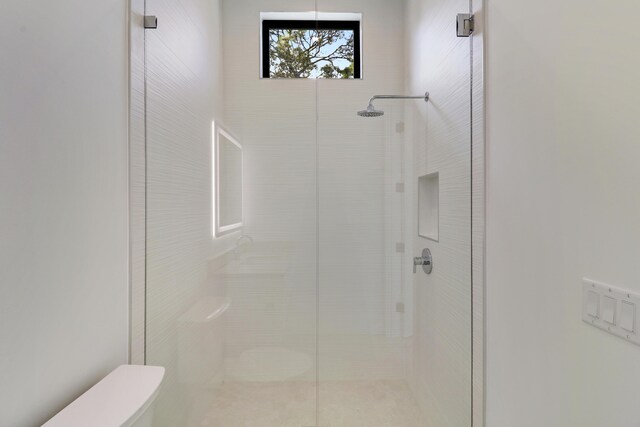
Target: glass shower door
(231,221)
(395,346)
(281,226)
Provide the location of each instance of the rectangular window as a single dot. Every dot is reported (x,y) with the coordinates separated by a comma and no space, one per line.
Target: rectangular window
(311,49)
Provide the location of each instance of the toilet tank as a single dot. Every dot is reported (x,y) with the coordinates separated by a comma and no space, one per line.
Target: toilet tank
(123,398)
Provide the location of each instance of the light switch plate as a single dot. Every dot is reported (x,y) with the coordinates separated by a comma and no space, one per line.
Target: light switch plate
(611,309)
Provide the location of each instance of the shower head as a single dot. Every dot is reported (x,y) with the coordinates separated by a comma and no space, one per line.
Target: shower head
(371,112)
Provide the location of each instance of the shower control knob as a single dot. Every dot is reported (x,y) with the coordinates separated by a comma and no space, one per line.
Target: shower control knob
(426,261)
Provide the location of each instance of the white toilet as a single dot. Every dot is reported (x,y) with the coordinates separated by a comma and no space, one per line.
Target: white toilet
(124,398)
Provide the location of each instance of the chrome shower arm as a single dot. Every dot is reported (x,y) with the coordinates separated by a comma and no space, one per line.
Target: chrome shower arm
(372,112)
(425,97)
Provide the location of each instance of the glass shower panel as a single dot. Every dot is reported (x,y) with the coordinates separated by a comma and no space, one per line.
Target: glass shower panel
(231,312)
(394,348)
(282,227)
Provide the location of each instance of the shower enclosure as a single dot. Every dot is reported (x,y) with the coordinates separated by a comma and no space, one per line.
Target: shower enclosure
(281,228)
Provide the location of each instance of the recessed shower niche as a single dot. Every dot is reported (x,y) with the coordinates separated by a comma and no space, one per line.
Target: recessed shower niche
(428,206)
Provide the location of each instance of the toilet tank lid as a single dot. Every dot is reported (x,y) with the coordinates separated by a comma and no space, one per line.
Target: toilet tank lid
(118,400)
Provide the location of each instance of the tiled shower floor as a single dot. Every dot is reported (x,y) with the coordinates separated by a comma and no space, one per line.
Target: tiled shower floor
(293,404)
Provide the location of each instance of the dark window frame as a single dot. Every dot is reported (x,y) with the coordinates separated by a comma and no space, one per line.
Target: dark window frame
(270,24)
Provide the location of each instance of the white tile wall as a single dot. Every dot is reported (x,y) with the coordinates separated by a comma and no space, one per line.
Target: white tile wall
(358,163)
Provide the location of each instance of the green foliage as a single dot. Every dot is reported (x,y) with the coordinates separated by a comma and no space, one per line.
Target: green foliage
(311,53)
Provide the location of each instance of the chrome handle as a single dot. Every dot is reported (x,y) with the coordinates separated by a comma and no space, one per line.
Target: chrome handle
(416,262)
(426,261)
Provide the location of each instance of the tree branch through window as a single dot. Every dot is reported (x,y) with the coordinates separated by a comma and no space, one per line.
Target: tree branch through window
(328,53)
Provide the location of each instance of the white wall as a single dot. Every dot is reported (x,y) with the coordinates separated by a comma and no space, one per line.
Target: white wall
(275,121)
(360,221)
(303,135)
(63,214)
(563,203)
(355,168)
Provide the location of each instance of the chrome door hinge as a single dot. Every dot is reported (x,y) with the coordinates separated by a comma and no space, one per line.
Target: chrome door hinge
(150,22)
(464,24)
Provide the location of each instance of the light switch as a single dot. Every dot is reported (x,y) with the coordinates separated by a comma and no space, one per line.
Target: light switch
(593,303)
(628,316)
(609,310)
